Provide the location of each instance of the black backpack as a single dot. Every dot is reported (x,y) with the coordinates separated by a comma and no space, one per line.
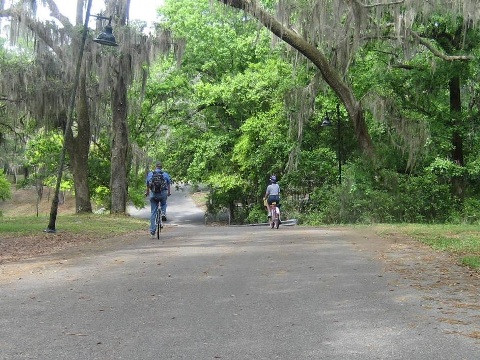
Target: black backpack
(158,182)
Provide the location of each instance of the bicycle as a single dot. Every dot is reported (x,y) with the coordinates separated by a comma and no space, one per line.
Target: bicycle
(274,215)
(158,220)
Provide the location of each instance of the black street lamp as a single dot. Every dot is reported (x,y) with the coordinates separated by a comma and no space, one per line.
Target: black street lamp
(105,38)
(328,122)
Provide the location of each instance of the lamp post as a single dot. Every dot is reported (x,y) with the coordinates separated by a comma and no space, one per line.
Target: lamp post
(105,38)
(328,122)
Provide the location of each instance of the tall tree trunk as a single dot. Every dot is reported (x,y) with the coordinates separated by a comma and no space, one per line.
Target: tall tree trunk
(78,146)
(311,52)
(120,144)
(120,140)
(458,182)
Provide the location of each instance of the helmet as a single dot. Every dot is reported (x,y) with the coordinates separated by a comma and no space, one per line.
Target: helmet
(273,178)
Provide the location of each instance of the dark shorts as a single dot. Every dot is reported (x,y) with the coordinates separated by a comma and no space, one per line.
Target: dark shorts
(273,198)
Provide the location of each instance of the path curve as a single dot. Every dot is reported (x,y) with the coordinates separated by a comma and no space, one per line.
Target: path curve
(181,209)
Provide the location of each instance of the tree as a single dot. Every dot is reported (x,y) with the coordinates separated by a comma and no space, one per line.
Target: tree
(54,60)
(111,73)
(331,76)
(340,27)
(121,75)
(226,76)
(132,62)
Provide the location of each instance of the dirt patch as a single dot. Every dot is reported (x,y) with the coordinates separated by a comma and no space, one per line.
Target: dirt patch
(24,202)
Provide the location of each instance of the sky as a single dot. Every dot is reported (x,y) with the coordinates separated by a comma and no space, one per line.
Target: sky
(139,9)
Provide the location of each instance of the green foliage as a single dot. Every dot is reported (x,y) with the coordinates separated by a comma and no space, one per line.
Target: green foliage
(99,172)
(5,190)
(42,154)
(200,118)
(381,198)
(444,168)
(262,147)
(257,215)
(101,195)
(225,188)
(318,167)
(219,40)
(206,160)
(220,115)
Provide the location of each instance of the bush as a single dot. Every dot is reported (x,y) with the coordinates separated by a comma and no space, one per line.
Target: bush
(385,197)
(256,215)
(5,190)
(470,212)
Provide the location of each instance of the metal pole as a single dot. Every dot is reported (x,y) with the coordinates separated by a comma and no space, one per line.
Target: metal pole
(339,139)
(54,207)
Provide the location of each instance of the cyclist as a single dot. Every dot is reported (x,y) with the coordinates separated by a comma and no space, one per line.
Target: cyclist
(158,197)
(272,194)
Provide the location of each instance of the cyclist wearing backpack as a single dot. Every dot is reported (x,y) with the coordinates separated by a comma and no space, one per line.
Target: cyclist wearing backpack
(158,187)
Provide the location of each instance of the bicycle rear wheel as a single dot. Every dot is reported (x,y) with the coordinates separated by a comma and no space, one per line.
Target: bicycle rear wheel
(272,218)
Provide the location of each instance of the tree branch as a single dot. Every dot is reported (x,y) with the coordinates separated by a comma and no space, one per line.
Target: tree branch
(439,54)
(380,4)
(38,28)
(311,52)
(55,13)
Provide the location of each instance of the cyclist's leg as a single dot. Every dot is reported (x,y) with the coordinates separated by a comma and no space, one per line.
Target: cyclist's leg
(267,207)
(269,204)
(163,203)
(153,208)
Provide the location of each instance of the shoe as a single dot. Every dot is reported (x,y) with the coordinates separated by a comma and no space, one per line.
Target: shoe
(269,216)
(152,234)
(164,218)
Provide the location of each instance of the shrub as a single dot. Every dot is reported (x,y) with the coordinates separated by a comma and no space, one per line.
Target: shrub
(5,190)
(384,197)
(256,215)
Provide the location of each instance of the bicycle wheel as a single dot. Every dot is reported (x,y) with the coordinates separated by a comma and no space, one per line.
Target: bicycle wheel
(277,221)
(272,218)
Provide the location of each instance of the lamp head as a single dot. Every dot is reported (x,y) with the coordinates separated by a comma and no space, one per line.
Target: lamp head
(106,38)
(326,121)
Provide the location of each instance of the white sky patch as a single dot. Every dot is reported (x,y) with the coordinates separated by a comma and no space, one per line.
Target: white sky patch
(145,10)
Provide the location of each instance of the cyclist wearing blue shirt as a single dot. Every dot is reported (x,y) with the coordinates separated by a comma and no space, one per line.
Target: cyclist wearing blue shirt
(156,198)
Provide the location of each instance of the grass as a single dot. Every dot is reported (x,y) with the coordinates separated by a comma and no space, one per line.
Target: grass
(462,241)
(89,224)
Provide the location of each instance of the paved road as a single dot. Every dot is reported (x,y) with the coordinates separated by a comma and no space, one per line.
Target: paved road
(225,293)
(180,209)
